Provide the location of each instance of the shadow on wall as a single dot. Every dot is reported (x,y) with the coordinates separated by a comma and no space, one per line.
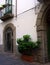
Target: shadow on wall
(17,52)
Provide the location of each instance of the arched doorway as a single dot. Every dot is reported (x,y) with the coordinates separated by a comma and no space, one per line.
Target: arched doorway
(9,38)
(43,33)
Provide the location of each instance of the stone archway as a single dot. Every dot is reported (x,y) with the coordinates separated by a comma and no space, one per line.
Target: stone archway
(9,38)
(42,33)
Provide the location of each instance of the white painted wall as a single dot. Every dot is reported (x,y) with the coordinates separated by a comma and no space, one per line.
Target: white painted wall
(25,24)
(1,33)
(23,5)
(2,2)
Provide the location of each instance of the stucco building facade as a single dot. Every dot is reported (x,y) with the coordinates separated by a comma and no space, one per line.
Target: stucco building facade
(36,25)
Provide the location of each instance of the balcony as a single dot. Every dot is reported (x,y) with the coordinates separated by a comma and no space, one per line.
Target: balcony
(6,12)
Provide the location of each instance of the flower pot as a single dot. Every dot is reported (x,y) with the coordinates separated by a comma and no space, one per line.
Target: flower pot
(28,58)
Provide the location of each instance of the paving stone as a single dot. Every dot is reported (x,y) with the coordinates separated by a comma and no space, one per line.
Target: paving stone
(9,59)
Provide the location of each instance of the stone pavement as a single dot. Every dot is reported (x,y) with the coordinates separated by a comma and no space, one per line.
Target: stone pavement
(10,59)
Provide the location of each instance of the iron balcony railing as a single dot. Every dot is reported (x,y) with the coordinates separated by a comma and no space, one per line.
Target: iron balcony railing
(6,12)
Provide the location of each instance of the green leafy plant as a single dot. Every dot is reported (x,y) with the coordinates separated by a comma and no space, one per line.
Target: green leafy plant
(19,41)
(26,46)
(26,38)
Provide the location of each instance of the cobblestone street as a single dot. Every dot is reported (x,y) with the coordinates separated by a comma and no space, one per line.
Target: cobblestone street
(10,59)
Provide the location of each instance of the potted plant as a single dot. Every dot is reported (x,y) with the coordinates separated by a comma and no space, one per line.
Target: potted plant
(27,48)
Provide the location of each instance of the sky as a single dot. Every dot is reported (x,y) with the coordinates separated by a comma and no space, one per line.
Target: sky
(23,5)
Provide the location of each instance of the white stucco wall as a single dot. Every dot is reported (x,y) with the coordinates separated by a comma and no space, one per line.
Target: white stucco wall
(23,5)
(27,26)
(25,23)
(1,32)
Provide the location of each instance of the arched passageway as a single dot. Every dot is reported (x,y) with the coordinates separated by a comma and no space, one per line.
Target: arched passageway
(43,33)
